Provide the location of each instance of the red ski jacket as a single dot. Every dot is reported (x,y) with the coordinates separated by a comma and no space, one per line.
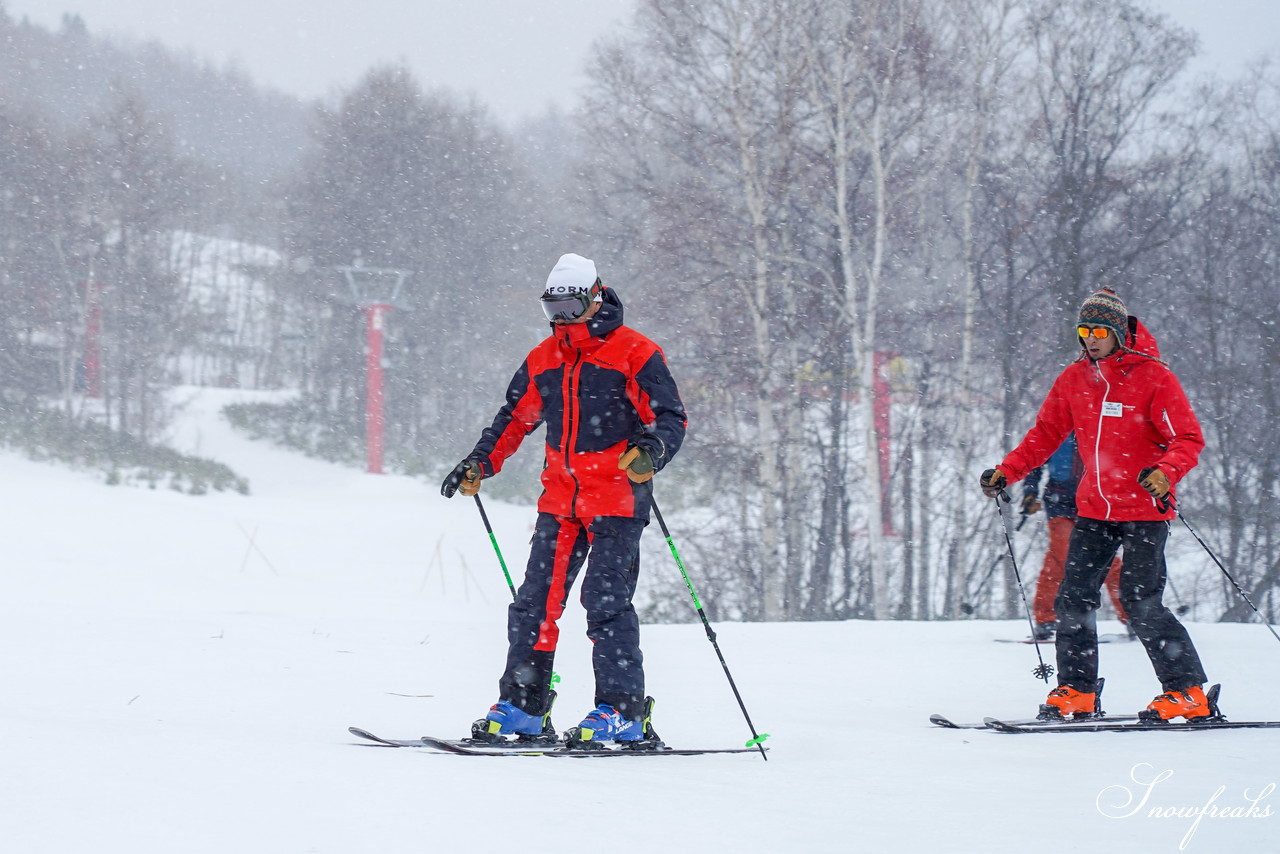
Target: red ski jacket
(600,387)
(1128,412)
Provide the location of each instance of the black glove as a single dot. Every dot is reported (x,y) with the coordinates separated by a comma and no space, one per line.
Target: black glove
(993,482)
(1030,504)
(464,478)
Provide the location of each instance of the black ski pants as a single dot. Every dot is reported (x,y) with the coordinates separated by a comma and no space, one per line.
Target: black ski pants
(610,548)
(1142,577)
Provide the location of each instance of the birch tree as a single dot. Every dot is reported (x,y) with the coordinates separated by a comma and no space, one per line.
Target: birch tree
(869,79)
(695,118)
(986,41)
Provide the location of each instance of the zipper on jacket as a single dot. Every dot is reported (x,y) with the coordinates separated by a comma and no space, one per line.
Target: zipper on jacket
(1097,439)
(571,417)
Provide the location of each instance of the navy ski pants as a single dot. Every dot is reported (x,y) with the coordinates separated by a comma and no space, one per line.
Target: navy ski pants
(1142,578)
(610,548)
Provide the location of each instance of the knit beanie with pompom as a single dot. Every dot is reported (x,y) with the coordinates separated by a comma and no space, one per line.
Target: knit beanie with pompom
(1104,308)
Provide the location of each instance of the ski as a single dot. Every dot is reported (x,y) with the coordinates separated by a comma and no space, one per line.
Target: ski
(505,746)
(385,742)
(467,747)
(947,723)
(1112,725)
(1215,720)
(471,748)
(1112,637)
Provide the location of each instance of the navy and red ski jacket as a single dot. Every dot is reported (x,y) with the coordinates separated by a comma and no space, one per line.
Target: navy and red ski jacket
(600,387)
(1129,413)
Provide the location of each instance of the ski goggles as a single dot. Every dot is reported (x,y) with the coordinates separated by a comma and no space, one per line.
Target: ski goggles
(1093,332)
(568,306)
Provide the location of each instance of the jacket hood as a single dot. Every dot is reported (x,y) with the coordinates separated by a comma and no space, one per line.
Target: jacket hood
(606,320)
(1140,342)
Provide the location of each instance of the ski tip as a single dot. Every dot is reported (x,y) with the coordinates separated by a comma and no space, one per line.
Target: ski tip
(368,738)
(939,720)
(1001,726)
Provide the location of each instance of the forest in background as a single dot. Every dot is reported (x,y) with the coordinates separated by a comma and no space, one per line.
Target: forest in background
(824,212)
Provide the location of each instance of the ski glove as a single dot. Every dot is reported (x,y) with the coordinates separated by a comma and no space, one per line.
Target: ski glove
(638,464)
(1030,504)
(464,478)
(1154,481)
(993,482)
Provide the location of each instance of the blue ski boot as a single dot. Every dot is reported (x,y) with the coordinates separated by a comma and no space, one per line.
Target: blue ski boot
(508,719)
(604,724)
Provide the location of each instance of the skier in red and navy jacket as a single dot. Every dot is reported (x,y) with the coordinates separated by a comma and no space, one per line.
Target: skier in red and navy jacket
(614,418)
(1138,437)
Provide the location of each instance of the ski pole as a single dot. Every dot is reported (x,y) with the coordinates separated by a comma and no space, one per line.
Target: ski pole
(1182,608)
(1168,502)
(967,608)
(494,540)
(756,739)
(1042,670)
(484,517)
(1165,505)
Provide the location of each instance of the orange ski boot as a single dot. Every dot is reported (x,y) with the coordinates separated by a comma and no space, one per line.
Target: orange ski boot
(1190,703)
(1064,701)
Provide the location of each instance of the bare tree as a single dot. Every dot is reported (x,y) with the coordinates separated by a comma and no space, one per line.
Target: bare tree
(872,85)
(1099,70)
(704,134)
(129,189)
(422,182)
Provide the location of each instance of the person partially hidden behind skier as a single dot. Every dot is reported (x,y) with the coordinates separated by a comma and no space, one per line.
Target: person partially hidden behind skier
(1063,471)
(1138,437)
(614,418)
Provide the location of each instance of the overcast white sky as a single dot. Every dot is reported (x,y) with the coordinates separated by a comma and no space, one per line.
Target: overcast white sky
(518,56)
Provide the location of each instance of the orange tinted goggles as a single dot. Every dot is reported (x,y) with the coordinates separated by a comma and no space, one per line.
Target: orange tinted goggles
(1092,332)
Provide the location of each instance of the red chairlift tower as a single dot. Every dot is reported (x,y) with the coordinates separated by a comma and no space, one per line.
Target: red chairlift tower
(374,290)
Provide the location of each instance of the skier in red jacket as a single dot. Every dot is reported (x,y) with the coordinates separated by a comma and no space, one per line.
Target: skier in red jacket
(614,418)
(1138,437)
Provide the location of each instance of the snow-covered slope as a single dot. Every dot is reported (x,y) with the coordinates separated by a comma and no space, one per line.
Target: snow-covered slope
(179,672)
